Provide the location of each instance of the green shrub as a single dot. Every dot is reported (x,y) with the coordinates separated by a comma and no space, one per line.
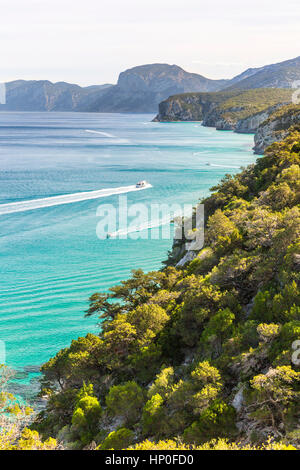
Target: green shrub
(153,415)
(218,420)
(125,400)
(87,414)
(117,440)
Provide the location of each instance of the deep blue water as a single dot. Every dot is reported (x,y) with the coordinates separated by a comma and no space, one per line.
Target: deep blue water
(51,260)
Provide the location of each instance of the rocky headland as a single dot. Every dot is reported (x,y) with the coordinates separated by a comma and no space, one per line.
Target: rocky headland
(267,113)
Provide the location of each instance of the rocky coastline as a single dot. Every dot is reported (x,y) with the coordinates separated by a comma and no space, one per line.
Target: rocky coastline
(268,125)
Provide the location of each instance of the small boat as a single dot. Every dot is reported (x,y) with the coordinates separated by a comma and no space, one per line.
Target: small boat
(141,184)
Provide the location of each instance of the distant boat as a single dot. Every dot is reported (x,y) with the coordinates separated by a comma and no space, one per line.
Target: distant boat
(141,184)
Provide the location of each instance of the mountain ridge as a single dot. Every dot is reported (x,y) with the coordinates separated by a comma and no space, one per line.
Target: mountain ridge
(279,75)
(140,89)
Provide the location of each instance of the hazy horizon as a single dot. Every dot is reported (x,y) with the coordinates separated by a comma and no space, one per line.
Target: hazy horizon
(92,42)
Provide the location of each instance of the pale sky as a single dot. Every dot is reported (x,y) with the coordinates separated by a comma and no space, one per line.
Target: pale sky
(92,41)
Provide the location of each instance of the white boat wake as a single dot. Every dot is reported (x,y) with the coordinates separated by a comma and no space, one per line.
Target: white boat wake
(116,140)
(140,228)
(221,166)
(33,204)
(146,226)
(105,134)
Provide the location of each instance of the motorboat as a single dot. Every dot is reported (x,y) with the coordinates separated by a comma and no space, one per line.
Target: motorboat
(141,184)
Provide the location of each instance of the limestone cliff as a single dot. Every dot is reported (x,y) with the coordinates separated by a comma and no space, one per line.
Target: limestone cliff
(275,128)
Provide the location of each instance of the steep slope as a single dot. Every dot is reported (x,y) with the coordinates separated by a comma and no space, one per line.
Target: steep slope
(202,351)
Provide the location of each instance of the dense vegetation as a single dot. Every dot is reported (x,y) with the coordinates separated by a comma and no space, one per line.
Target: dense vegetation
(200,355)
(251,102)
(231,105)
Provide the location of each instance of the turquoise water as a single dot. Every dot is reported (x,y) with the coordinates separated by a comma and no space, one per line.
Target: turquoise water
(51,260)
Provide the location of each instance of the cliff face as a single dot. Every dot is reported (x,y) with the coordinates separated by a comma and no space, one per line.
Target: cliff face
(251,124)
(275,128)
(178,108)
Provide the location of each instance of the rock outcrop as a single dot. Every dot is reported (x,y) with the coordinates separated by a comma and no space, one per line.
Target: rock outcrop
(187,107)
(251,124)
(248,125)
(276,127)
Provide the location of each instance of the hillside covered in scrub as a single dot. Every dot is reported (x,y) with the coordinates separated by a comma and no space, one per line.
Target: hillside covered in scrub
(190,354)
(239,110)
(196,356)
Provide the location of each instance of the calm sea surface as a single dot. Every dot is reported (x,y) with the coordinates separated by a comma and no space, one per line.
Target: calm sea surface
(51,260)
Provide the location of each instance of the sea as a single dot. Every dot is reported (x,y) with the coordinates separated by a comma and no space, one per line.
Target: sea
(58,173)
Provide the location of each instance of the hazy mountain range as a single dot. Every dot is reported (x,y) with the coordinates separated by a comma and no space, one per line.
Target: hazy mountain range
(139,89)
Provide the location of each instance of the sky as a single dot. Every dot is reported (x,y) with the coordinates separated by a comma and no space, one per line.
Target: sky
(92,41)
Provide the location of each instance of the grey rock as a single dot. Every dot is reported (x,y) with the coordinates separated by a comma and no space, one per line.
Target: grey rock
(189,256)
(238,399)
(274,129)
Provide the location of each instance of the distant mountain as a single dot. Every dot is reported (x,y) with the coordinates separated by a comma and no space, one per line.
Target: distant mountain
(281,75)
(142,88)
(242,76)
(43,95)
(139,89)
